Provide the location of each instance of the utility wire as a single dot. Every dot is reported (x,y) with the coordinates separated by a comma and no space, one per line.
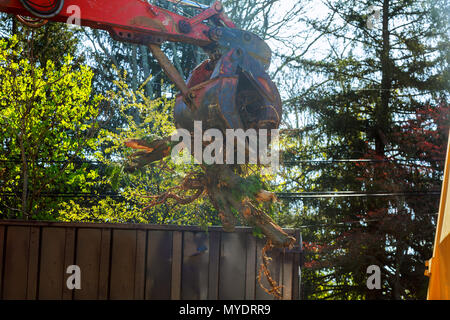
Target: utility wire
(55,161)
(343,223)
(281,195)
(341,194)
(289,162)
(283,162)
(68,195)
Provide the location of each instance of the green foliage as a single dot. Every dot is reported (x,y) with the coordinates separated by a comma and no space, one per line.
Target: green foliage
(257,232)
(146,119)
(47,119)
(52,41)
(350,94)
(352,99)
(248,187)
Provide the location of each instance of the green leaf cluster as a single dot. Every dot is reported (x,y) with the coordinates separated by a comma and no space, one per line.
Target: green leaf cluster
(48,120)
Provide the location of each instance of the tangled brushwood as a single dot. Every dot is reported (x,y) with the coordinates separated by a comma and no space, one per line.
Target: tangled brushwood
(275,289)
(237,196)
(229,91)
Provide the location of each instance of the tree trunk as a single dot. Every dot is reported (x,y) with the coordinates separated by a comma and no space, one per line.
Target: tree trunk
(224,189)
(134,69)
(24,175)
(146,67)
(382,126)
(382,113)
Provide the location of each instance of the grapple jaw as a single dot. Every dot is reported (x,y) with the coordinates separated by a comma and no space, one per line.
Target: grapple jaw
(234,92)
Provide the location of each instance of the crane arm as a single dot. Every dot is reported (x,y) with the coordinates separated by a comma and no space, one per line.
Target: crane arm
(140,22)
(134,21)
(230,90)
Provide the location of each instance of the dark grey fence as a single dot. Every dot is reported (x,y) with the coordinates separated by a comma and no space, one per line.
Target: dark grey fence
(135,261)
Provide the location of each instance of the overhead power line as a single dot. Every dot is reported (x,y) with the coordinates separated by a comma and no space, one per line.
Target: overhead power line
(293,162)
(68,195)
(340,194)
(281,195)
(344,223)
(55,161)
(282,162)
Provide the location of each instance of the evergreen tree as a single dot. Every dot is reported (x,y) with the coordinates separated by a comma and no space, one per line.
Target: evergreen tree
(370,65)
(52,41)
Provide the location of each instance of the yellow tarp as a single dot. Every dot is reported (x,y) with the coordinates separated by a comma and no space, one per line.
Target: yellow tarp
(439,264)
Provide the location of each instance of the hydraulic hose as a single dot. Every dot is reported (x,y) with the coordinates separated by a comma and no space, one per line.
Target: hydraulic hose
(43,8)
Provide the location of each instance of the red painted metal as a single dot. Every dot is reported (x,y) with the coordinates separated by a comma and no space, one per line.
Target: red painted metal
(131,21)
(233,81)
(237,94)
